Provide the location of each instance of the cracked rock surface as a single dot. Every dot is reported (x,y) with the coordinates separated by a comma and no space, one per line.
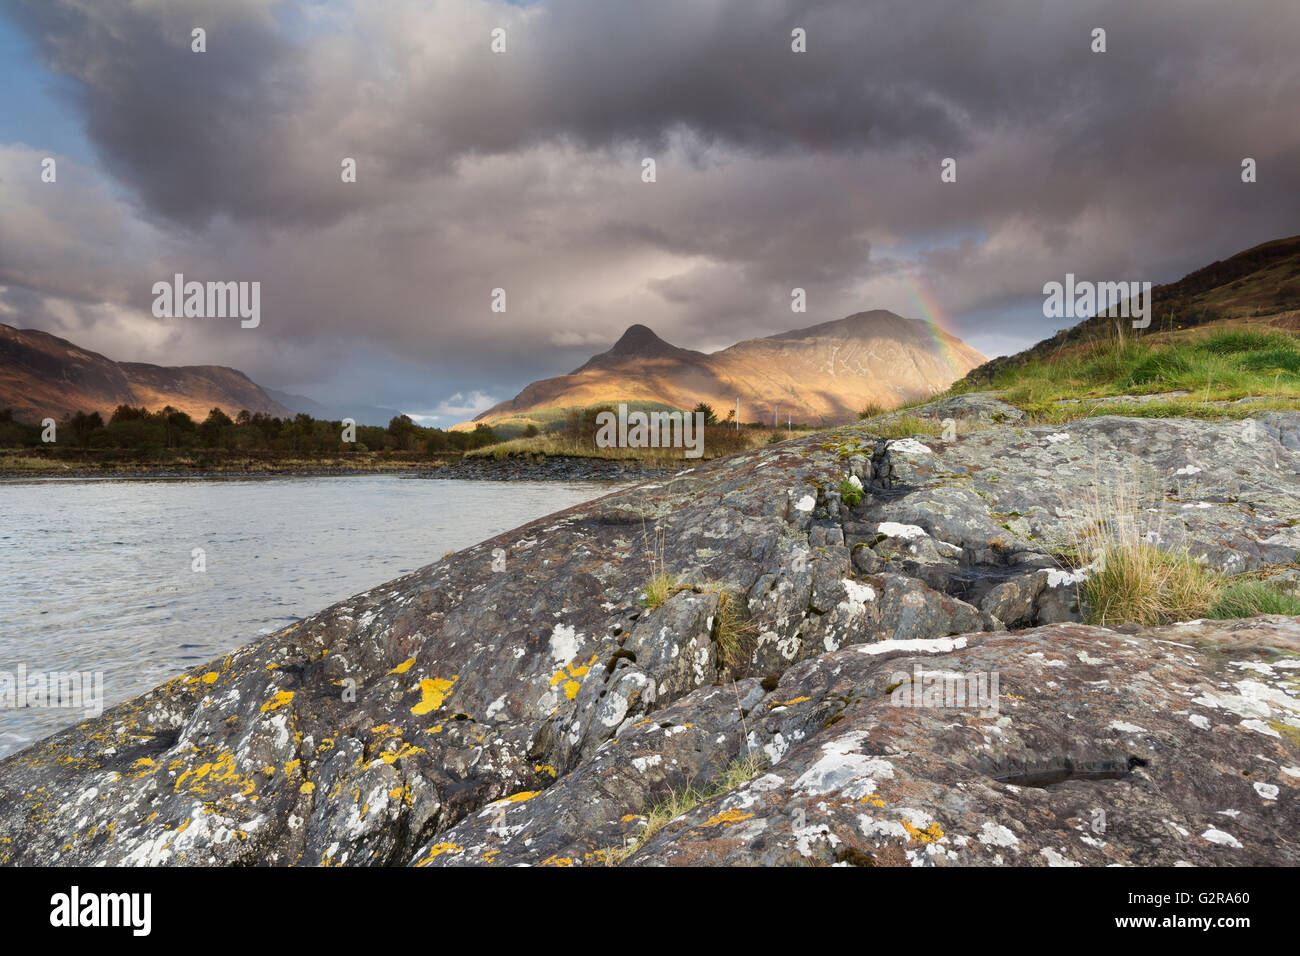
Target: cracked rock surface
(462,714)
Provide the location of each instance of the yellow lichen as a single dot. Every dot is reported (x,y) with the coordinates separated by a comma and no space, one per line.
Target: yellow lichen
(407,750)
(726,818)
(931,834)
(433,691)
(438,849)
(519,797)
(278,701)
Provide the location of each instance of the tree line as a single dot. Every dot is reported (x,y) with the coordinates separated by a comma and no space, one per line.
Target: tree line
(141,431)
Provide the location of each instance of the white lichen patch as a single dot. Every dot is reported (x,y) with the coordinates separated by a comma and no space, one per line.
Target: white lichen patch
(1267,791)
(924,645)
(841,767)
(564,644)
(1220,838)
(1126,728)
(995,834)
(908,446)
(1056,858)
(907,532)
(642,764)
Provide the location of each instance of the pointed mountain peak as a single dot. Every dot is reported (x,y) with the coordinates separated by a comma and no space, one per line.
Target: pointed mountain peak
(638,340)
(638,344)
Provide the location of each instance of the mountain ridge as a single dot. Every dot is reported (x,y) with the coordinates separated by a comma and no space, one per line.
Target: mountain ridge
(45,376)
(822,373)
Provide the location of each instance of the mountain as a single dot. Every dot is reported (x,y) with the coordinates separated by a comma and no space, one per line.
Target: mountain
(821,374)
(44,376)
(1259,285)
(361,414)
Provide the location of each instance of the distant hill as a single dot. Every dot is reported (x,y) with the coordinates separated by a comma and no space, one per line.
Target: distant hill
(821,374)
(44,376)
(361,414)
(1261,283)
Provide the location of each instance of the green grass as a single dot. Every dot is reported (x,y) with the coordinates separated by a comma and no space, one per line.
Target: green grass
(1127,580)
(850,493)
(1139,584)
(1246,598)
(658,589)
(1213,366)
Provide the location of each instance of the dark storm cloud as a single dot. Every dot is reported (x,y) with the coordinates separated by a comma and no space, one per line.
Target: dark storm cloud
(254,128)
(521,170)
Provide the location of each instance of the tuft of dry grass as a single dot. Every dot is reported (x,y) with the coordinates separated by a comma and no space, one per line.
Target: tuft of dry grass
(681,802)
(731,631)
(905,426)
(1137,583)
(1127,579)
(661,584)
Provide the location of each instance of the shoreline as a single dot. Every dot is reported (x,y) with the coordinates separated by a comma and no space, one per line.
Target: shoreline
(556,468)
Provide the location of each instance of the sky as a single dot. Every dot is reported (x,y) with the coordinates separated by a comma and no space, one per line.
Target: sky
(522,170)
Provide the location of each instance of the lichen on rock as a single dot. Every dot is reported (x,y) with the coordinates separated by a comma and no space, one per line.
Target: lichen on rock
(466,715)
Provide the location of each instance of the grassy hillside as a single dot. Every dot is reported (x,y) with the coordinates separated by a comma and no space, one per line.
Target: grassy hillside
(1222,334)
(553,418)
(1202,372)
(1261,284)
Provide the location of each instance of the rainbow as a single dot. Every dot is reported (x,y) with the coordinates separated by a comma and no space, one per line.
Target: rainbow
(929,311)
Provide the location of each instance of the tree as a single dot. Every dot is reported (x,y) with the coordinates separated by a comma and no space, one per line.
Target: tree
(710,416)
(128,413)
(482,436)
(214,427)
(82,425)
(404,432)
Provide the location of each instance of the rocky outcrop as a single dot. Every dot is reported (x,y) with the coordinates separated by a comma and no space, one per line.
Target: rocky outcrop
(517,703)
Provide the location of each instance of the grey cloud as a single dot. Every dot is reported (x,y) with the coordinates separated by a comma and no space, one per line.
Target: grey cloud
(522,171)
